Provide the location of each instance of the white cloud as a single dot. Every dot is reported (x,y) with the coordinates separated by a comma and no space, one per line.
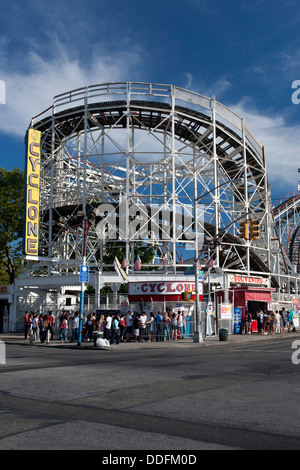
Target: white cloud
(281,142)
(28,94)
(280,139)
(216,88)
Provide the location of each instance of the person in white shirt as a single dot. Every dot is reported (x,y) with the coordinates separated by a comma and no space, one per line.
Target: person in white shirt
(143,328)
(180,325)
(75,328)
(107,331)
(277,322)
(174,327)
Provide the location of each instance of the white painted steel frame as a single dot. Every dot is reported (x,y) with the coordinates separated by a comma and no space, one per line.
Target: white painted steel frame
(287,228)
(145,144)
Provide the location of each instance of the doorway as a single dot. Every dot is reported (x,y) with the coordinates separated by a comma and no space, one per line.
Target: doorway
(4,309)
(254,306)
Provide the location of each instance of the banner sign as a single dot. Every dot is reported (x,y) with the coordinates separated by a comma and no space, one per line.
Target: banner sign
(248,280)
(226,312)
(32,192)
(160,290)
(296,306)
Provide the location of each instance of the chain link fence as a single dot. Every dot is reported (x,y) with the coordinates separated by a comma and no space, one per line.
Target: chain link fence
(114,303)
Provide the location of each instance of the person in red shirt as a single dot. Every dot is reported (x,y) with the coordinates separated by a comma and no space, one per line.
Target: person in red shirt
(27,324)
(51,324)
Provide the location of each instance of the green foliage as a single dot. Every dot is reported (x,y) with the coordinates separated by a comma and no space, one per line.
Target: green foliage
(11,223)
(118,249)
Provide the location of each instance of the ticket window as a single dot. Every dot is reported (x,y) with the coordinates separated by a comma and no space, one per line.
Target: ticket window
(253,307)
(4,308)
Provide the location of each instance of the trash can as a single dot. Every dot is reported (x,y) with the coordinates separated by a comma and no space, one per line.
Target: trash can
(98,335)
(223,334)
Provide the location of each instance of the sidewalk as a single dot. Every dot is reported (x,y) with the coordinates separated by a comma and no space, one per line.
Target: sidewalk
(18,339)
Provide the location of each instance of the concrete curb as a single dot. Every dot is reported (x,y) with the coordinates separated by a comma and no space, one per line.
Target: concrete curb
(18,339)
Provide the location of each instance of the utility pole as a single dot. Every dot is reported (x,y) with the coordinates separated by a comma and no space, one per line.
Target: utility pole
(84,228)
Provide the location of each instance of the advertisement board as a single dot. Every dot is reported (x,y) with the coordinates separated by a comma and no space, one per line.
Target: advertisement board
(161,290)
(226,311)
(32,192)
(296,311)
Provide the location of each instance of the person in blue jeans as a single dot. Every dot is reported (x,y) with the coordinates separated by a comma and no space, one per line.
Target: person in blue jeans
(75,328)
(159,327)
(115,330)
(288,321)
(108,324)
(63,331)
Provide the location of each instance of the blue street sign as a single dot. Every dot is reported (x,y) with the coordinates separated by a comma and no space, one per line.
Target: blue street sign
(190,273)
(84,274)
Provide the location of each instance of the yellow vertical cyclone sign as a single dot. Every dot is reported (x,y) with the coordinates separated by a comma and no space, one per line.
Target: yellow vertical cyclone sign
(32,192)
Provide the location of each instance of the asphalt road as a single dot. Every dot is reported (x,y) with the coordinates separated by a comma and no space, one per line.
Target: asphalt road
(228,396)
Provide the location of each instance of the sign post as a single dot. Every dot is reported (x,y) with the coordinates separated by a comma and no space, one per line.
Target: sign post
(84,274)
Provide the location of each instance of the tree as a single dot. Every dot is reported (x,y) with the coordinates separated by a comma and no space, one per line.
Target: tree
(11,223)
(118,249)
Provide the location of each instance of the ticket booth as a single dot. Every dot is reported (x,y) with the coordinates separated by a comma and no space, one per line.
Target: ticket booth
(5,303)
(250,299)
(164,296)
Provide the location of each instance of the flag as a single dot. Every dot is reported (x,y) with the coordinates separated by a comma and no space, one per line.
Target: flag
(199,265)
(121,273)
(124,262)
(210,263)
(137,265)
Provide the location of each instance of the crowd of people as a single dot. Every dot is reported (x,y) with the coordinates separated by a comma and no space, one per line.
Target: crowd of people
(269,322)
(115,327)
(38,326)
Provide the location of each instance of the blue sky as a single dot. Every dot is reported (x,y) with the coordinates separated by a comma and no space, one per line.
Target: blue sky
(245,53)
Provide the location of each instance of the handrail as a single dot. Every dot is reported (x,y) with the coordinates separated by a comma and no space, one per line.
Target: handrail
(164,92)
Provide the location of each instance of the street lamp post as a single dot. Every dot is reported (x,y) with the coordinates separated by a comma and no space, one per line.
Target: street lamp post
(198,336)
(81,307)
